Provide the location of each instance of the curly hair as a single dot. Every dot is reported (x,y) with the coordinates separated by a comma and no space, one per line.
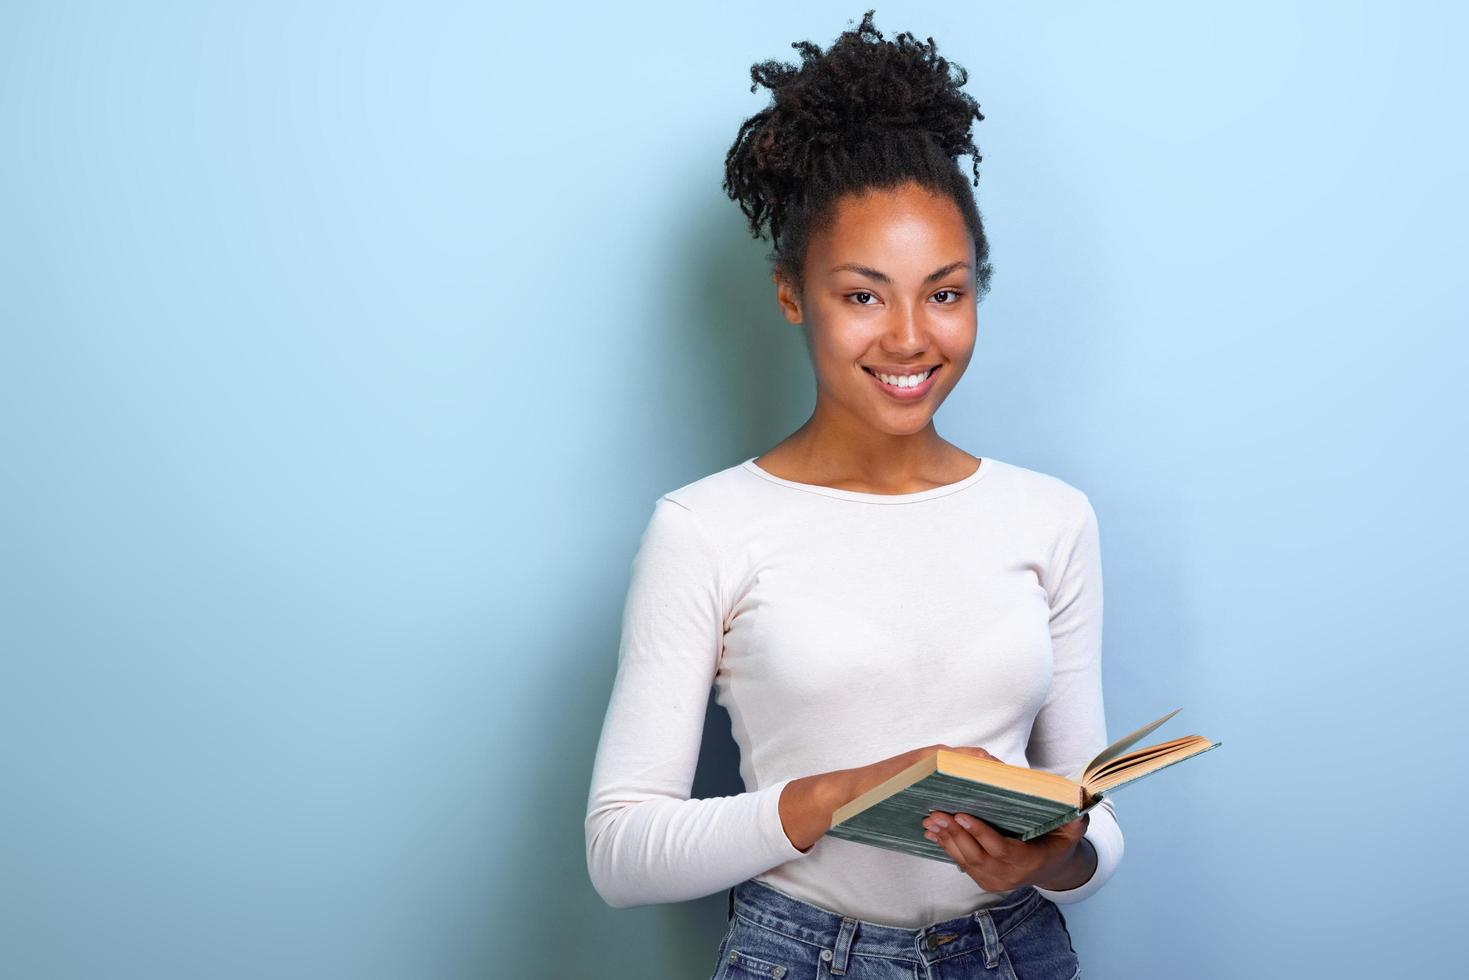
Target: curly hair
(867,113)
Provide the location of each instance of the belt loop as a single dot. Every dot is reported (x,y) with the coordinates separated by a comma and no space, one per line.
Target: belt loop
(844,945)
(992,946)
(731,905)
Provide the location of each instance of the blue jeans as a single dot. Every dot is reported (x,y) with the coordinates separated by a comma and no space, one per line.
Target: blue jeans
(775,935)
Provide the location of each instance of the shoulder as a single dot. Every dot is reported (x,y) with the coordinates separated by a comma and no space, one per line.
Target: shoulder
(691,517)
(1044,504)
(1041,487)
(725,499)
(712,491)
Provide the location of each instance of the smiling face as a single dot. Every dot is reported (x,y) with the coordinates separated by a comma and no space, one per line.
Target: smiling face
(888,296)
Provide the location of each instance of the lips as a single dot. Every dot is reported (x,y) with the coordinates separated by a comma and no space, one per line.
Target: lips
(912,394)
(931,372)
(900,373)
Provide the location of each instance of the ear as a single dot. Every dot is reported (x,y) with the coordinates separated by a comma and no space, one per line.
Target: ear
(787,297)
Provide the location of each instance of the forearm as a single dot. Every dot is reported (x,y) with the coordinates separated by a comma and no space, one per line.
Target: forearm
(807,805)
(1077,870)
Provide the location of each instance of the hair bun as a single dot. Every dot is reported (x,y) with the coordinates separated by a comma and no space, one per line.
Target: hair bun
(861,90)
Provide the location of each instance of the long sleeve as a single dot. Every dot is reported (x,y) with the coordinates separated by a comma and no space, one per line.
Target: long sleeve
(1070,728)
(647,842)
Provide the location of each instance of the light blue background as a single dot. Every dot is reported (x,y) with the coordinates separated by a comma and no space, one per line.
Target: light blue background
(347,346)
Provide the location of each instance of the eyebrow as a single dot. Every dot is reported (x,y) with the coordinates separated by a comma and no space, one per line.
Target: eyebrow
(871,273)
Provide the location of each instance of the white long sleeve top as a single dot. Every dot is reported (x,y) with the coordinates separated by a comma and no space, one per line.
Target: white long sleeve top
(839,628)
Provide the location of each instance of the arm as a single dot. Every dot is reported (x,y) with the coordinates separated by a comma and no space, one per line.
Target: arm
(1077,871)
(647,842)
(1071,727)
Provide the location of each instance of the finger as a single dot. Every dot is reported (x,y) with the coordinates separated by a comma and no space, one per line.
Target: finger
(1066,836)
(960,845)
(994,842)
(1073,830)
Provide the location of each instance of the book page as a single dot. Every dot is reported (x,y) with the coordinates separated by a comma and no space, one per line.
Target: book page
(1120,746)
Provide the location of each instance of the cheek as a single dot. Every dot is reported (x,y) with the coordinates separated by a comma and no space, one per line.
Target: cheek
(841,350)
(957,345)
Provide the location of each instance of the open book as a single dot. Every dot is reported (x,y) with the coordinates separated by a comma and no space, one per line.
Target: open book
(1016,801)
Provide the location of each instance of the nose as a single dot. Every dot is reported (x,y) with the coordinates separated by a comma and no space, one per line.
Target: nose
(907,333)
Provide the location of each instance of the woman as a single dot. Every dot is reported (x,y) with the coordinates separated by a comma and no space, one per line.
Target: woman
(865,591)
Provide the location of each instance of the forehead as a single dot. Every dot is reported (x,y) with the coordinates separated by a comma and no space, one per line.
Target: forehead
(906,225)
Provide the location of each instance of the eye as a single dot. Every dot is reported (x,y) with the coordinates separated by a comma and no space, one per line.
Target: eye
(955,293)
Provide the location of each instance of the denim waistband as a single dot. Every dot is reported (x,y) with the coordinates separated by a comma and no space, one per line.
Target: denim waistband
(979,931)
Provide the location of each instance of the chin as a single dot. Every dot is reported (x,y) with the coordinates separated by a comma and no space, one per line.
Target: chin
(915,423)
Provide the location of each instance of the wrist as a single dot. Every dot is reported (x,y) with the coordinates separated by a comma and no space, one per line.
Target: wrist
(1076,871)
(807,805)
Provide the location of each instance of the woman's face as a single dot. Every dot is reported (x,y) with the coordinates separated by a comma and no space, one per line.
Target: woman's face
(889,291)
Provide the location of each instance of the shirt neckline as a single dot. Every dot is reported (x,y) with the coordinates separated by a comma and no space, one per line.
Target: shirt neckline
(985,465)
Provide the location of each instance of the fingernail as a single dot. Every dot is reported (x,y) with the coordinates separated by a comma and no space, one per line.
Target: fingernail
(931,836)
(942,822)
(963,821)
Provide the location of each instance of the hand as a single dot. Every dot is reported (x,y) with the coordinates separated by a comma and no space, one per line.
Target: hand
(855,782)
(987,856)
(999,863)
(807,804)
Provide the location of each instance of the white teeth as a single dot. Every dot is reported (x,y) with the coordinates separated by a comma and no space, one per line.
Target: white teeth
(904,380)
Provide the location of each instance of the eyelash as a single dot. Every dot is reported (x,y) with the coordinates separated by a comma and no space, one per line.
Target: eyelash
(867,292)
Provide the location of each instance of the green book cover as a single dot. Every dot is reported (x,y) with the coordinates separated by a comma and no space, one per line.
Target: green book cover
(1018,802)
